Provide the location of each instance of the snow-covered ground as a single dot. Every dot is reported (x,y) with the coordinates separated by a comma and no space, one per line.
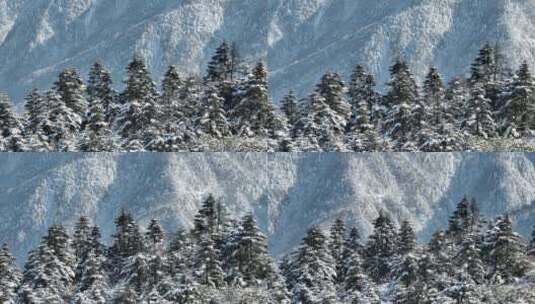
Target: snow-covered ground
(300,39)
(287,192)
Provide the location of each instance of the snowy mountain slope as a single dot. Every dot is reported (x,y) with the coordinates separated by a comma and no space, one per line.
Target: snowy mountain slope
(300,39)
(287,192)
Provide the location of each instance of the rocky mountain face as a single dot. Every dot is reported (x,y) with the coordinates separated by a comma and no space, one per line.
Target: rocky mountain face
(299,39)
(286,192)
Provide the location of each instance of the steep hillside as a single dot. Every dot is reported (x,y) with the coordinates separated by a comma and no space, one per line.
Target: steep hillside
(300,39)
(287,192)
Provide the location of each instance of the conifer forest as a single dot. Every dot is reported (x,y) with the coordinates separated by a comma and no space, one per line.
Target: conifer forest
(267,152)
(226,260)
(230,109)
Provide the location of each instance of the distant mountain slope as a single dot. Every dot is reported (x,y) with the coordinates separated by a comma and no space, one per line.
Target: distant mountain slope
(300,39)
(287,192)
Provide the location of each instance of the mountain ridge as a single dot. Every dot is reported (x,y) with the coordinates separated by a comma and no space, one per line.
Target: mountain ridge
(286,192)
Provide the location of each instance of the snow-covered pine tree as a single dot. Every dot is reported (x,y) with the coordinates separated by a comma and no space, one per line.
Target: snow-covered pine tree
(180,285)
(367,113)
(406,238)
(381,247)
(157,259)
(462,220)
(312,273)
(207,264)
(206,220)
(10,276)
(356,286)
(252,265)
(290,109)
(333,90)
(254,115)
(401,122)
(170,97)
(484,66)
(64,123)
(507,253)
(457,94)
(220,66)
(12,138)
(517,112)
(336,243)
(97,135)
(487,73)
(49,276)
(469,260)
(321,128)
(213,119)
(100,90)
(127,242)
(364,100)
(71,90)
(439,133)
(180,109)
(93,284)
(38,127)
(81,241)
(352,246)
(225,72)
(140,109)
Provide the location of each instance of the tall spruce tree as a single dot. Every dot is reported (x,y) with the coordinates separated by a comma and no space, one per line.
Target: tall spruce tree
(469,260)
(381,247)
(97,135)
(321,128)
(337,244)
(254,115)
(127,243)
(10,276)
(140,109)
(213,119)
(363,100)
(65,124)
(81,241)
(507,254)
(93,284)
(12,138)
(207,263)
(100,91)
(406,238)
(220,66)
(311,273)
(38,126)
(253,264)
(462,220)
(401,122)
(333,90)
(49,275)
(517,113)
(71,90)
(479,120)
(290,109)
(170,96)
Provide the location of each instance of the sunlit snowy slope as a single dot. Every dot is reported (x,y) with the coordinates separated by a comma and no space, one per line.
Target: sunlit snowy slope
(287,192)
(300,39)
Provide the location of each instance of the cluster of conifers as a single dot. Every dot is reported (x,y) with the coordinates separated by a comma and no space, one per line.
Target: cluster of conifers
(221,258)
(229,109)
